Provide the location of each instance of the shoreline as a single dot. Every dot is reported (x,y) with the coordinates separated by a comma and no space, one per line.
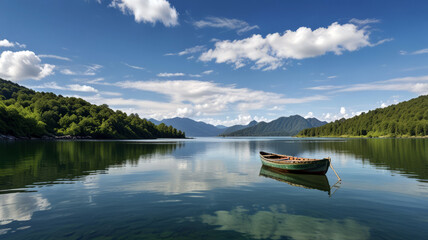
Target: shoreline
(70,137)
(67,137)
(382,137)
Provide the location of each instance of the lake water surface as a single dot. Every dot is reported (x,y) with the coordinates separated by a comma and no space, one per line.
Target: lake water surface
(212,188)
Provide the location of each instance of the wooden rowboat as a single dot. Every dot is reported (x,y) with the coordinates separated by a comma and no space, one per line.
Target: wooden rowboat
(295,164)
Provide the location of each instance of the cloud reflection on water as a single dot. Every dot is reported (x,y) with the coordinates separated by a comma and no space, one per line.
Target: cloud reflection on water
(20,207)
(177,176)
(275,223)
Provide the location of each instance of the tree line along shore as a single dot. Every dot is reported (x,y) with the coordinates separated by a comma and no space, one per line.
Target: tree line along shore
(405,119)
(27,114)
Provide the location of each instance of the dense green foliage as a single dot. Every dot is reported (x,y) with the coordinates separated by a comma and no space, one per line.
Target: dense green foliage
(26,113)
(408,118)
(283,126)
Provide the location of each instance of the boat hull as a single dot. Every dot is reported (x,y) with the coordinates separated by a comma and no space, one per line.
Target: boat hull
(310,167)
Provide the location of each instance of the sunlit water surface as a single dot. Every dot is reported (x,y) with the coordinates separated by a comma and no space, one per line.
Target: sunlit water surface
(212,188)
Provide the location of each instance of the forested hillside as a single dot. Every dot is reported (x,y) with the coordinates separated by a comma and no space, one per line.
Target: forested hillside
(408,118)
(27,113)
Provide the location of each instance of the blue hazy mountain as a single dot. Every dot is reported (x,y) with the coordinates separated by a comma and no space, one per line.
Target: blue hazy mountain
(235,128)
(283,126)
(191,127)
(194,128)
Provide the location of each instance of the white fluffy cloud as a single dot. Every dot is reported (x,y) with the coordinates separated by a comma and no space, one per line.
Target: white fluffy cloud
(329,117)
(417,52)
(208,72)
(195,75)
(54,57)
(148,11)
(198,98)
(269,52)
(89,70)
(241,119)
(179,74)
(417,85)
(134,67)
(81,88)
(170,74)
(192,50)
(71,87)
(421,51)
(145,108)
(364,21)
(7,43)
(217,22)
(309,115)
(325,87)
(392,100)
(22,65)
(419,88)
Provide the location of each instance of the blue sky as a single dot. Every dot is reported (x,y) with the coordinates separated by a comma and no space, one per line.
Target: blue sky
(223,62)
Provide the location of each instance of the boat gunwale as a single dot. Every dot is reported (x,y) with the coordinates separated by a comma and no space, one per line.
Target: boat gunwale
(286,159)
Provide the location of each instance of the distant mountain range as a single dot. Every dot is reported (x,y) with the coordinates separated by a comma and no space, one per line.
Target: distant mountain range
(191,127)
(284,126)
(235,128)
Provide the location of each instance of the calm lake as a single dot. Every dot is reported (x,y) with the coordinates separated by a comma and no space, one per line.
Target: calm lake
(212,188)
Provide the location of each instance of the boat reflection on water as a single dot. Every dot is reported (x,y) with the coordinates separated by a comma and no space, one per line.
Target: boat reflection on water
(309,181)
